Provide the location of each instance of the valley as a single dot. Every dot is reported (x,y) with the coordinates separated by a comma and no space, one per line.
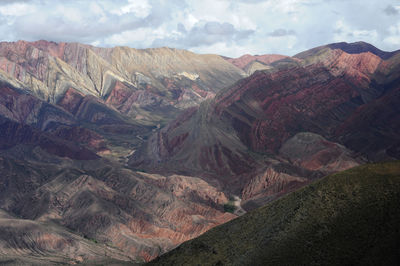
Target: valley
(119,155)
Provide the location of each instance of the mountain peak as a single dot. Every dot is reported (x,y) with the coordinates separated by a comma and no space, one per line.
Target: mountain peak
(129,152)
(361,47)
(350,48)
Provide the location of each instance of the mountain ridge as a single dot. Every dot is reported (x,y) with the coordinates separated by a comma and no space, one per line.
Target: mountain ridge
(136,151)
(352,48)
(345,218)
(260,113)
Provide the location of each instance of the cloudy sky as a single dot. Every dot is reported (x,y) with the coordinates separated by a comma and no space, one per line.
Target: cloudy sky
(230,28)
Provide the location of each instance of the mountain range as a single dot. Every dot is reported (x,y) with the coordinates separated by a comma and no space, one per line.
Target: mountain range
(121,154)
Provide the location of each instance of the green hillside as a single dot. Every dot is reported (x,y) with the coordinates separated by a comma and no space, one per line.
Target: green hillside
(349,218)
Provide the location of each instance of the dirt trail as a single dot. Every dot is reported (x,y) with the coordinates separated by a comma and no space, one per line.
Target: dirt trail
(237,203)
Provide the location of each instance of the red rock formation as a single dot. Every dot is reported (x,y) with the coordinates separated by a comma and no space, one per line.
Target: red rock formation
(71,100)
(83,136)
(322,92)
(53,70)
(13,134)
(271,183)
(266,135)
(140,214)
(312,152)
(27,120)
(290,100)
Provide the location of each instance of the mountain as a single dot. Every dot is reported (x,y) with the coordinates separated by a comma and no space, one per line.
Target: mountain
(114,155)
(252,63)
(351,48)
(349,218)
(283,127)
(128,215)
(138,83)
(100,97)
(69,115)
(28,242)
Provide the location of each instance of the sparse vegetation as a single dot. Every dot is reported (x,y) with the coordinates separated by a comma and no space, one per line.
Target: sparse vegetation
(90,239)
(349,218)
(229,207)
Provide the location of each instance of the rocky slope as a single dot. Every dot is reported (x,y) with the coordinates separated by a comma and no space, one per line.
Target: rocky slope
(349,218)
(124,154)
(27,242)
(138,83)
(252,63)
(100,97)
(69,115)
(323,111)
(131,215)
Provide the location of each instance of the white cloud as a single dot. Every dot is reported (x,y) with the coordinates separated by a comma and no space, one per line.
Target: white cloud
(203,33)
(392,10)
(211,26)
(231,50)
(16,9)
(142,37)
(343,31)
(394,36)
(140,9)
(393,40)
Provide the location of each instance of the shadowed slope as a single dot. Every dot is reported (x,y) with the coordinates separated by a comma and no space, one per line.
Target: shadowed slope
(348,102)
(62,104)
(349,218)
(351,48)
(27,242)
(138,214)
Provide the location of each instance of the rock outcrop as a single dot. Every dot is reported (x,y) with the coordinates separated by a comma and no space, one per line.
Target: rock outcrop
(123,154)
(249,138)
(64,106)
(120,77)
(140,215)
